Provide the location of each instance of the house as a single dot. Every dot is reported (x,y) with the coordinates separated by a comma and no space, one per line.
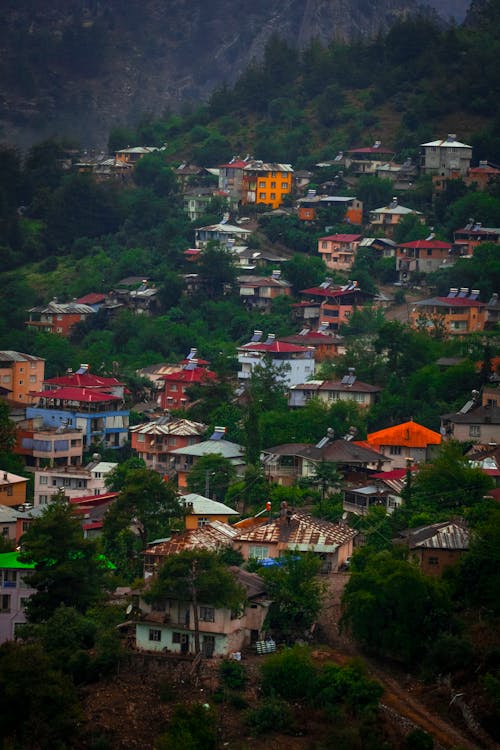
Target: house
(482,176)
(308,207)
(13,594)
(188,174)
(214,536)
(90,510)
(266,183)
(296,531)
(202,510)
(224,233)
(260,291)
(182,460)
(294,363)
(12,489)
(366,159)
(152,441)
(478,421)
(13,523)
(168,626)
(93,299)
(330,391)
(466,240)
(338,251)
(437,546)
(131,155)
(405,442)
(74,481)
(326,345)
(174,394)
(58,317)
(383,247)
(459,313)
(446,159)
(20,374)
(92,404)
(492,312)
(331,305)
(384,490)
(421,256)
(287,463)
(249,259)
(387,217)
(140,296)
(57,446)
(231,177)
(403,176)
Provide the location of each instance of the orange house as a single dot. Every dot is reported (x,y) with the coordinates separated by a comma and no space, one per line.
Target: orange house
(201,510)
(404,443)
(12,489)
(57,317)
(174,395)
(338,251)
(152,441)
(266,183)
(21,373)
(458,313)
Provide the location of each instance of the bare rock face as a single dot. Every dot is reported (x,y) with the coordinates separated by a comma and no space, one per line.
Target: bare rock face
(78,67)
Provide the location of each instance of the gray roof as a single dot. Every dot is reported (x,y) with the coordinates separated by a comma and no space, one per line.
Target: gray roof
(8,355)
(206,507)
(60,308)
(167,426)
(447,535)
(224,447)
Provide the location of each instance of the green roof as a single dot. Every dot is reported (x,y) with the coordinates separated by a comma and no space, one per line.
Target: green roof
(11,560)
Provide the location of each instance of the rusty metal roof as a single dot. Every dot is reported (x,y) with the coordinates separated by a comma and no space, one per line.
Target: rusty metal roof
(450,535)
(213,536)
(304,533)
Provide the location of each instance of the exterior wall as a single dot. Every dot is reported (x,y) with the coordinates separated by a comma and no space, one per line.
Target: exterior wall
(60,324)
(399,454)
(75,482)
(21,378)
(456,321)
(433,561)
(64,447)
(267,188)
(155,456)
(252,550)
(361,398)
(110,426)
(410,260)
(477,432)
(295,371)
(337,255)
(335,315)
(446,161)
(12,609)
(192,520)
(13,493)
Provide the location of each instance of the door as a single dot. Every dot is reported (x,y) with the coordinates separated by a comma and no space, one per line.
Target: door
(208,645)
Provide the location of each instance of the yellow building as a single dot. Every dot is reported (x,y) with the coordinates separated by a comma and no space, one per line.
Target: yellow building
(12,489)
(266,183)
(20,374)
(201,510)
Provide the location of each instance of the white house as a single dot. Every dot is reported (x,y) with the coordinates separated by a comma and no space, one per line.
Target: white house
(295,363)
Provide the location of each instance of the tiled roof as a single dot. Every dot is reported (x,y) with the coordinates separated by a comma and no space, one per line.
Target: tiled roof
(84,380)
(213,536)
(338,451)
(197,375)
(91,299)
(341,237)
(427,245)
(181,427)
(7,355)
(304,533)
(409,434)
(275,347)
(449,302)
(84,395)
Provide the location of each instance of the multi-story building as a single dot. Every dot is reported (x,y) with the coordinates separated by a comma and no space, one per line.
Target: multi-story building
(92,404)
(448,159)
(421,256)
(478,420)
(174,395)
(20,374)
(182,460)
(294,364)
(387,217)
(459,313)
(466,240)
(74,481)
(12,489)
(153,441)
(331,391)
(227,235)
(366,159)
(405,443)
(308,207)
(338,251)
(260,291)
(55,446)
(58,317)
(330,305)
(266,183)
(231,177)
(14,593)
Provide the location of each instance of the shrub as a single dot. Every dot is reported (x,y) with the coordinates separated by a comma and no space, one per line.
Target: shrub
(232,674)
(191,728)
(272,715)
(419,740)
(289,674)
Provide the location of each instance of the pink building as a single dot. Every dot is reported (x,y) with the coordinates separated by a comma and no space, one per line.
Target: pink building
(338,251)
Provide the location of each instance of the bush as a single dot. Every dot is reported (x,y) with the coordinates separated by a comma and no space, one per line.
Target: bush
(191,728)
(289,674)
(232,674)
(419,740)
(273,715)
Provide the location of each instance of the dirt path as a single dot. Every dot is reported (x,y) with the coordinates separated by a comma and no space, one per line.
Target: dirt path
(405,699)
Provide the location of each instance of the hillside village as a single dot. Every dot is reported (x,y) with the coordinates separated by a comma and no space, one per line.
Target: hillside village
(250,424)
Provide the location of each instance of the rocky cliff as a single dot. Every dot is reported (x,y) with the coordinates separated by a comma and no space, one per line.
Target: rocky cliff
(78,67)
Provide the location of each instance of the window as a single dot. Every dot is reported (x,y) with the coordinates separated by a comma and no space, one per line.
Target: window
(5,531)
(43,499)
(154,635)
(141,438)
(66,482)
(9,579)
(324,245)
(433,561)
(262,185)
(5,603)
(474,430)
(176,637)
(284,185)
(32,378)
(173,388)
(394,450)
(207,614)
(273,196)
(258,553)
(262,196)
(44,480)
(21,382)
(273,185)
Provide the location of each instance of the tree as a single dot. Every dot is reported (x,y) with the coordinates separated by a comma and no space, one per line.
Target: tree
(393,609)
(211,475)
(295,592)
(216,270)
(197,577)
(147,503)
(68,569)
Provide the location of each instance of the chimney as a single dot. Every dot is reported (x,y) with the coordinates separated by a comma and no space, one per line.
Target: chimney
(483,163)
(276,274)
(451,137)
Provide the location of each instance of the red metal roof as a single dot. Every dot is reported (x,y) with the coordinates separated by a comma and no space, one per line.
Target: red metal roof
(460,302)
(275,347)
(323,292)
(85,380)
(77,394)
(427,245)
(198,375)
(93,499)
(342,237)
(370,150)
(91,299)
(236,164)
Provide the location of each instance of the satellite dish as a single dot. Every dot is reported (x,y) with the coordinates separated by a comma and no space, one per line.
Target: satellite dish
(129,609)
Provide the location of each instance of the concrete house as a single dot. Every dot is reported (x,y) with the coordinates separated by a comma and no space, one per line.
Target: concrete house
(421,256)
(387,217)
(295,363)
(12,489)
(20,374)
(445,159)
(403,442)
(13,594)
(338,251)
(459,313)
(478,420)
(58,317)
(152,441)
(182,460)
(168,626)
(437,546)
(330,391)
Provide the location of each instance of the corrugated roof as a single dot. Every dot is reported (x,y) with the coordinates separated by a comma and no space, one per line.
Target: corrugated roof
(7,477)
(204,506)
(447,535)
(181,427)
(275,347)
(449,302)
(224,447)
(303,533)
(427,245)
(8,355)
(59,308)
(409,434)
(341,237)
(84,395)
(84,380)
(212,536)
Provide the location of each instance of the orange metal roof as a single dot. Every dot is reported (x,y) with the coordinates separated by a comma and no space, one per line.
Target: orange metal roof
(410,433)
